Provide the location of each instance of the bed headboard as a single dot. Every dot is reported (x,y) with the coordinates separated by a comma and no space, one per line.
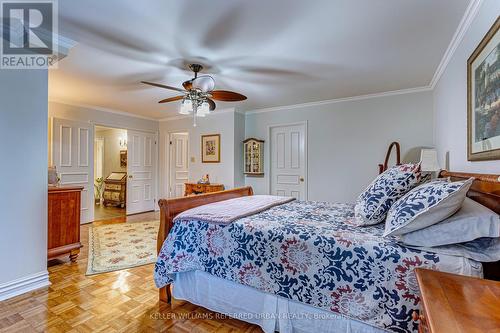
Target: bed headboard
(486,190)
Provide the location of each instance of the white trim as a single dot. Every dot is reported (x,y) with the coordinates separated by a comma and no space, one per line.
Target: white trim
(463,26)
(102,109)
(344,99)
(191,116)
(267,166)
(24,285)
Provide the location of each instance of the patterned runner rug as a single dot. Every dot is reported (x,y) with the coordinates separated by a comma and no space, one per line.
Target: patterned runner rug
(122,245)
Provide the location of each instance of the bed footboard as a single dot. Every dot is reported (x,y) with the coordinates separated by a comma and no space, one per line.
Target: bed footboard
(169,208)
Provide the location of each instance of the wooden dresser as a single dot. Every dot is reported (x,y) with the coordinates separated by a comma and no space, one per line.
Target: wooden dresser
(64,221)
(195,188)
(457,304)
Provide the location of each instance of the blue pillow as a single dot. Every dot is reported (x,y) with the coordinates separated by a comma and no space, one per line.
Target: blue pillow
(426,205)
(374,203)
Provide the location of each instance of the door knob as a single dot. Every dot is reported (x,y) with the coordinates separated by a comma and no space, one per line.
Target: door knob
(301,179)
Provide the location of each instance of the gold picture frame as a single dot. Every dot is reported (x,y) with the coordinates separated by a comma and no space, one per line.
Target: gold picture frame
(210,148)
(483,99)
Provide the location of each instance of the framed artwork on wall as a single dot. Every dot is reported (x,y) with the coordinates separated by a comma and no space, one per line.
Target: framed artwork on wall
(483,98)
(123,158)
(210,148)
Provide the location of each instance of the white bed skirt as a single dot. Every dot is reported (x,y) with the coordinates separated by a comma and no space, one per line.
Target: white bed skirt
(270,312)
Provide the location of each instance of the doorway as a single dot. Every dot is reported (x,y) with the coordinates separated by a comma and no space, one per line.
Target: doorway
(179,163)
(110,172)
(289,160)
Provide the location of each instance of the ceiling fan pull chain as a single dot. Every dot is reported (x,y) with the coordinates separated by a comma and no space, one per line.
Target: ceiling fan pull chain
(195,110)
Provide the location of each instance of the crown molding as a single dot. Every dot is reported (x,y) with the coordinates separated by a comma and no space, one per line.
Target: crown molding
(219,111)
(463,26)
(341,100)
(102,109)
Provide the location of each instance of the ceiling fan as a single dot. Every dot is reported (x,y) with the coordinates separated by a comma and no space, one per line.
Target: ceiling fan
(198,94)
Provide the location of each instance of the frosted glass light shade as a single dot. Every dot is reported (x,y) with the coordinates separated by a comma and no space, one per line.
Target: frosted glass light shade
(203,109)
(186,107)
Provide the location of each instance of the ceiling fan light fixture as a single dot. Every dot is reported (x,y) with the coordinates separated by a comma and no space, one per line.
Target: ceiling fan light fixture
(204,83)
(186,106)
(203,109)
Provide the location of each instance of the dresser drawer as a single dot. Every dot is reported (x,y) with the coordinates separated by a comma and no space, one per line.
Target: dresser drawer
(113,187)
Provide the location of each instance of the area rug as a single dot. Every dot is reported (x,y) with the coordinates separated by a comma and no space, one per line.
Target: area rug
(119,246)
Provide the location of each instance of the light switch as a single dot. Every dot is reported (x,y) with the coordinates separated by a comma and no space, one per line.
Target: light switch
(193,160)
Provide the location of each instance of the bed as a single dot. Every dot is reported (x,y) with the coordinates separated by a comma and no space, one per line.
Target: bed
(342,277)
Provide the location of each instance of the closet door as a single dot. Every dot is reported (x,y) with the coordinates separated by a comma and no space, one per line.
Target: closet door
(289,161)
(72,154)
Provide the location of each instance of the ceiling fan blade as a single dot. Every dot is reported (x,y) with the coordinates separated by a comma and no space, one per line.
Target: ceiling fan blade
(211,103)
(162,86)
(171,99)
(227,96)
(187,84)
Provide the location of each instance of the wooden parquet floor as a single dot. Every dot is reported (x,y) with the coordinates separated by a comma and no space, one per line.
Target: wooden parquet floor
(122,301)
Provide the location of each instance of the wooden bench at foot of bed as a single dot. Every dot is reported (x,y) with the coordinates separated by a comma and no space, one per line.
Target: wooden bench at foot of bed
(169,208)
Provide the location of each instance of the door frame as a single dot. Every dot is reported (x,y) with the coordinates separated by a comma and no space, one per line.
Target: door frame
(267,166)
(156,173)
(168,159)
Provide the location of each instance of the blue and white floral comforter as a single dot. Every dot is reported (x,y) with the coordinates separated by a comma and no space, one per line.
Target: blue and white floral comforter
(312,253)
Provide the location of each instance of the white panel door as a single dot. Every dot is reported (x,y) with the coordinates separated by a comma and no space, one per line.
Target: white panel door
(288,161)
(178,164)
(73,147)
(141,161)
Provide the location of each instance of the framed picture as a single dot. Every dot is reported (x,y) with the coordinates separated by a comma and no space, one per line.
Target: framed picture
(123,158)
(483,98)
(210,148)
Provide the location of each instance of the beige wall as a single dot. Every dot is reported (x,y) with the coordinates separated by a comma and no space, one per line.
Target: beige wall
(112,149)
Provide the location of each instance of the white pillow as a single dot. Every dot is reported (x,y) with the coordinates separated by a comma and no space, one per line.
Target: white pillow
(484,249)
(426,205)
(472,221)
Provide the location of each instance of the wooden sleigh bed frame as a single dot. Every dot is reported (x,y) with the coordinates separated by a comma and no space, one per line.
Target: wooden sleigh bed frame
(485,190)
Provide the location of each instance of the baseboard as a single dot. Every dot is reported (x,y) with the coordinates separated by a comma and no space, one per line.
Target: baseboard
(24,285)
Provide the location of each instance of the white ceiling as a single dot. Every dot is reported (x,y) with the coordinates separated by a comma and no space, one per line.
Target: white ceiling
(278,52)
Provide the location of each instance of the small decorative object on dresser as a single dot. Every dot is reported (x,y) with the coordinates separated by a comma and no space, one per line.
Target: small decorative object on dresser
(253,157)
(64,221)
(196,188)
(115,189)
(456,303)
(483,101)
(210,148)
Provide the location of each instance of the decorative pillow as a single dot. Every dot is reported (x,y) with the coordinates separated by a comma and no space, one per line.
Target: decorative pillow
(472,221)
(426,205)
(374,203)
